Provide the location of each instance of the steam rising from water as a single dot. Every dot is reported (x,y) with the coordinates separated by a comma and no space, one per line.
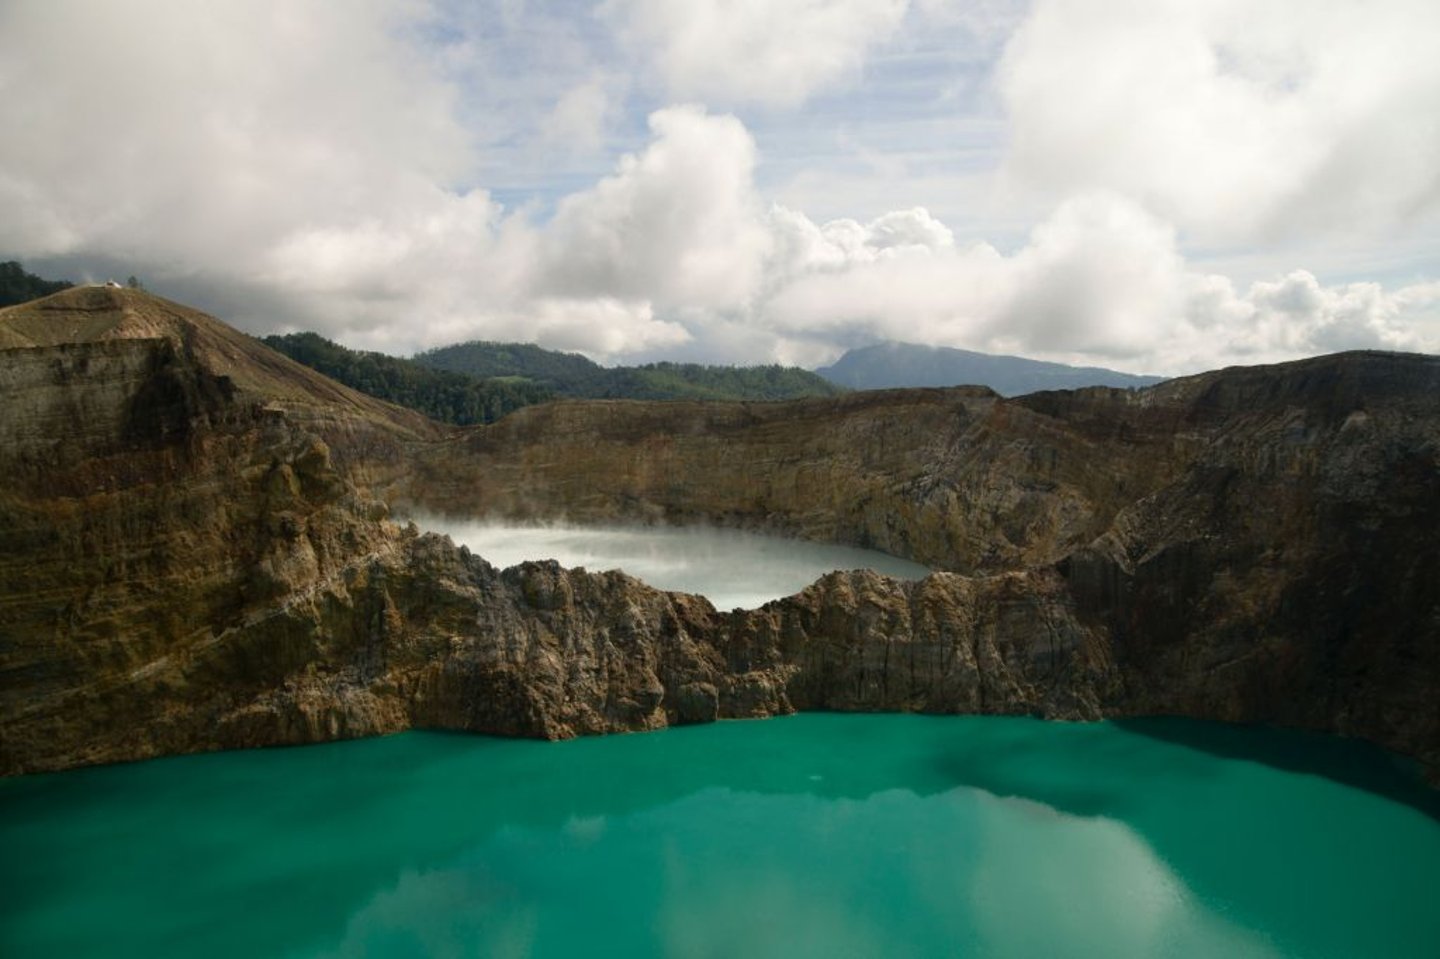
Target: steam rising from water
(731,568)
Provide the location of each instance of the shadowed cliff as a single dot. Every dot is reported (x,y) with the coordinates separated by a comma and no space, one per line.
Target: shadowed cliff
(198,551)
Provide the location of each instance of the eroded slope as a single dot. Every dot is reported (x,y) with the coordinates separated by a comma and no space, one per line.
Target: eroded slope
(198,552)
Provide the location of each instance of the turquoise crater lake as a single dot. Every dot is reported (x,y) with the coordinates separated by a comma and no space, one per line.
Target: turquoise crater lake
(814,835)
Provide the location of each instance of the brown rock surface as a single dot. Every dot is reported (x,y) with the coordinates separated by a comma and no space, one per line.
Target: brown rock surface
(197,552)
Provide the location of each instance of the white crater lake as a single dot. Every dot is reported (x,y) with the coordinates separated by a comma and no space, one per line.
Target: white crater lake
(731,568)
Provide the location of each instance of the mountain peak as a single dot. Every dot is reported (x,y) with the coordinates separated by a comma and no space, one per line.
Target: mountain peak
(896,364)
(100,314)
(86,314)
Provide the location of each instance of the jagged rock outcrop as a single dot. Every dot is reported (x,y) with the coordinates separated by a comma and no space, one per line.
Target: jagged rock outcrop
(198,552)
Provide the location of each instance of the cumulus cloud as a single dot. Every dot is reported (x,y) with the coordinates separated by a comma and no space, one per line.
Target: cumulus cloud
(302,165)
(1100,280)
(147,124)
(1294,314)
(855,281)
(291,161)
(1100,276)
(1234,120)
(754,51)
(678,223)
(602,326)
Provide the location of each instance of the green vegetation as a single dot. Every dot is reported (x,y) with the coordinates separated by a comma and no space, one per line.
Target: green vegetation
(481,382)
(449,397)
(572,375)
(18,286)
(526,360)
(663,381)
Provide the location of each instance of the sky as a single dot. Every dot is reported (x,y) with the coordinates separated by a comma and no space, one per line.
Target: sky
(1158,186)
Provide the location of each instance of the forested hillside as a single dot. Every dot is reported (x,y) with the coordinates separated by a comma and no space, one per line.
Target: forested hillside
(482,359)
(449,397)
(481,382)
(572,375)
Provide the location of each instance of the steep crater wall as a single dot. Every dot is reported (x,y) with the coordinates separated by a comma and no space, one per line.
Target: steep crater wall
(1252,544)
(197,557)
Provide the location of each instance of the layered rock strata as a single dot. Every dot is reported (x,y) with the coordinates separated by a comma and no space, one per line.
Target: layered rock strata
(198,552)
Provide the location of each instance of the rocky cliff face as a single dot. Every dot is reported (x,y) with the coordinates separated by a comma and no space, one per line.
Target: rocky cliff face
(199,555)
(1251,544)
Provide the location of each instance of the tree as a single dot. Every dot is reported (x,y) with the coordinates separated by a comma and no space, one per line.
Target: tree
(18,286)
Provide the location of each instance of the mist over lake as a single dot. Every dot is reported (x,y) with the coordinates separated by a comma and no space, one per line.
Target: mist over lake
(731,568)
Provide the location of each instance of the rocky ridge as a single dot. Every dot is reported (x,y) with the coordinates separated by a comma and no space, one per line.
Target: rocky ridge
(199,552)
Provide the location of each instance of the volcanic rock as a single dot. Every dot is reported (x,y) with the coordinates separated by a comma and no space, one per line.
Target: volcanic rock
(199,551)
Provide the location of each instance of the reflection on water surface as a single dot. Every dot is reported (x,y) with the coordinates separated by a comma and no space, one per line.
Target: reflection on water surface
(819,835)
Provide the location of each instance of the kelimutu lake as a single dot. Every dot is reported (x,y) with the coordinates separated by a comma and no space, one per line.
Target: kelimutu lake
(814,835)
(731,568)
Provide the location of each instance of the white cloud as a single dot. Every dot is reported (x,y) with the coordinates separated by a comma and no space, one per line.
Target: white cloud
(1100,280)
(754,51)
(899,276)
(308,165)
(383,253)
(599,326)
(903,229)
(297,156)
(1295,315)
(1236,120)
(800,246)
(580,117)
(677,224)
(147,125)
(677,229)
(1100,276)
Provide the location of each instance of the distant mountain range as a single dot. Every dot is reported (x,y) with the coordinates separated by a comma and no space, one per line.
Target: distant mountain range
(479,382)
(892,364)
